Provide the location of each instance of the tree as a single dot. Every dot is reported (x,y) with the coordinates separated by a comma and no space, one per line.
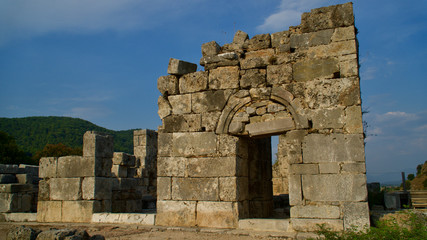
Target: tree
(411,176)
(10,152)
(57,150)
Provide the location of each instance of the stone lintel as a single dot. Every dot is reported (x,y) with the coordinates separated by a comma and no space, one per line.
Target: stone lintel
(276,126)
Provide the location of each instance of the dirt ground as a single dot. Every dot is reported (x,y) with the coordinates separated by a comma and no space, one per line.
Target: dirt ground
(138,232)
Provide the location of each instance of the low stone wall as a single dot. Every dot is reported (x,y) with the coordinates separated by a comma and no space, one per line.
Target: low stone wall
(18,188)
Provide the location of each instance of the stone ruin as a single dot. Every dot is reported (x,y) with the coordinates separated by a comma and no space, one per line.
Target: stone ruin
(210,162)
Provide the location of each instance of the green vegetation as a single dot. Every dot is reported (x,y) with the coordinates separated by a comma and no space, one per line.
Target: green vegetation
(32,134)
(411,226)
(10,152)
(57,150)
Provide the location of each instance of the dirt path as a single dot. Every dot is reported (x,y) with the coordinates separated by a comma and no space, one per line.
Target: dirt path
(137,232)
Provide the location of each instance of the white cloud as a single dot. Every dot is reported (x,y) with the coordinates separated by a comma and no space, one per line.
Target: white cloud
(396,116)
(289,14)
(32,18)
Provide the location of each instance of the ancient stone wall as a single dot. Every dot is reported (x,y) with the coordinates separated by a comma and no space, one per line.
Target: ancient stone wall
(214,150)
(18,188)
(74,187)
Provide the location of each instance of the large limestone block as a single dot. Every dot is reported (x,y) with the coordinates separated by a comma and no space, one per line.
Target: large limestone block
(233,188)
(279,74)
(164,188)
(295,190)
(48,167)
(193,82)
(319,148)
(96,188)
(304,169)
(220,60)
(77,211)
(201,189)
(344,33)
(276,126)
(176,213)
(327,17)
(257,59)
(210,48)
(209,101)
(210,120)
(119,171)
(356,214)
(329,168)
(253,78)
(194,144)
(224,78)
(65,189)
(179,67)
(168,85)
(269,225)
(315,211)
(308,70)
(258,42)
(353,119)
(99,145)
(217,214)
(49,211)
(124,159)
(171,166)
(165,109)
(44,190)
(9,202)
(334,187)
(328,93)
(214,167)
(328,118)
(182,123)
(181,104)
(311,39)
(312,225)
(164,143)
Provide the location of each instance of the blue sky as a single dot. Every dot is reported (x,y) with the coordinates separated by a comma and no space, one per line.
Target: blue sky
(99,60)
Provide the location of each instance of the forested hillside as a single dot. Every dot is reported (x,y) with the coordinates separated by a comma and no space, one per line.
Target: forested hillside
(33,133)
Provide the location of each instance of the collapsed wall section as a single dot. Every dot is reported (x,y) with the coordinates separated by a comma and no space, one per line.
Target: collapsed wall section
(301,84)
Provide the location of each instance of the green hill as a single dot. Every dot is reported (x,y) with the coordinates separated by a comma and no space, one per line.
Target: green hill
(33,133)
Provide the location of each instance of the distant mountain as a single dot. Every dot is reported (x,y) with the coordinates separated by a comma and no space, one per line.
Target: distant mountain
(33,133)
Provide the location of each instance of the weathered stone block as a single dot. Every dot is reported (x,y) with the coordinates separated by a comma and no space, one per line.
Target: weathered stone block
(356,214)
(193,82)
(353,168)
(176,213)
(164,143)
(181,104)
(119,171)
(44,190)
(312,225)
(165,109)
(329,93)
(328,118)
(65,189)
(25,178)
(9,202)
(311,39)
(240,38)
(48,167)
(201,189)
(77,211)
(216,214)
(210,48)
(269,225)
(335,49)
(9,168)
(209,101)
(353,119)
(329,168)
(349,68)
(319,148)
(334,187)
(224,78)
(210,120)
(98,145)
(164,188)
(168,85)
(49,211)
(279,38)
(344,33)
(304,169)
(171,166)
(124,159)
(315,211)
(179,67)
(295,188)
(15,188)
(258,42)
(257,59)
(279,74)
(233,188)
(220,60)
(315,68)
(213,167)
(327,17)
(253,78)
(96,188)
(275,126)
(194,144)
(183,123)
